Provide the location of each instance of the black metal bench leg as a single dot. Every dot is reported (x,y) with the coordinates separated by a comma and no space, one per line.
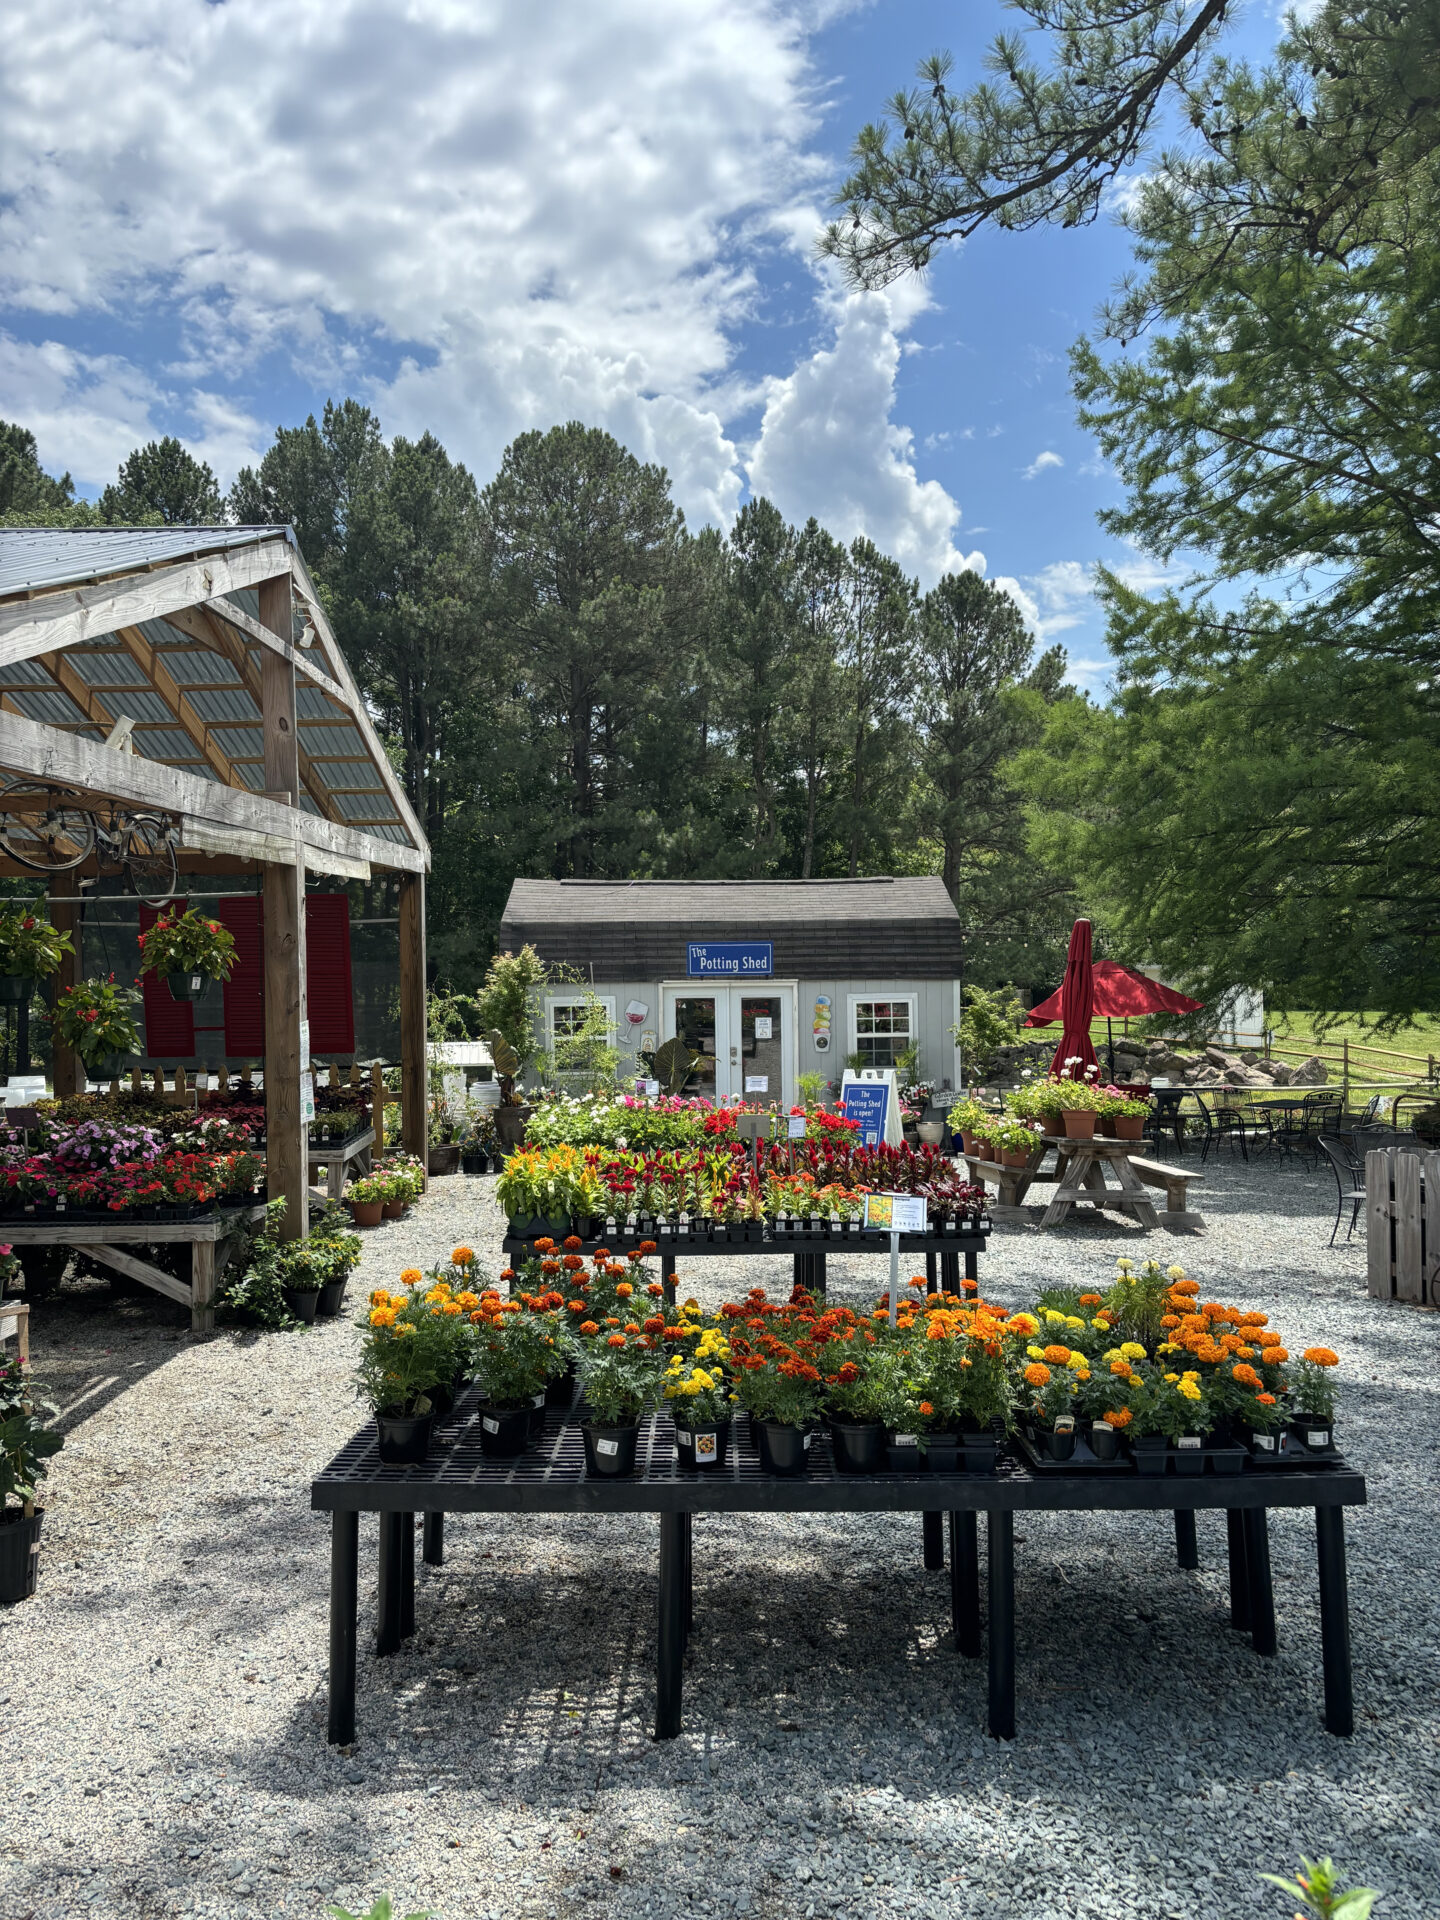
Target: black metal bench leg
(1000,1531)
(818,1276)
(1334,1620)
(433,1547)
(950,1272)
(932,1279)
(344,1586)
(932,1536)
(667,1276)
(965,1583)
(1262,1593)
(1239,1570)
(670,1641)
(391,1581)
(407,1575)
(972,1267)
(1187,1547)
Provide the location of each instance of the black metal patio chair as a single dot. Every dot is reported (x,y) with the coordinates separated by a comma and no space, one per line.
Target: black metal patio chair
(1349,1170)
(1243,1127)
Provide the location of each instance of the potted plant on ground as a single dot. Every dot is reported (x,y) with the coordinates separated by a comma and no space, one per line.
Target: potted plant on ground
(620,1368)
(699,1398)
(94,1018)
(515,1351)
(506,1007)
(407,1352)
(30,950)
(25,1445)
(366,1199)
(190,949)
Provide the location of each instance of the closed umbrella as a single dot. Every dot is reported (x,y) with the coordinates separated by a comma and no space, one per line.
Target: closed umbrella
(1075,1053)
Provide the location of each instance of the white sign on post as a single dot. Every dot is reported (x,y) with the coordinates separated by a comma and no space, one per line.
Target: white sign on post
(895,1213)
(796,1126)
(307,1097)
(757,1083)
(304,1046)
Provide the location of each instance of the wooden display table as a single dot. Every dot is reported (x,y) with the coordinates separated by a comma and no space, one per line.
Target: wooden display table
(336,1163)
(106,1240)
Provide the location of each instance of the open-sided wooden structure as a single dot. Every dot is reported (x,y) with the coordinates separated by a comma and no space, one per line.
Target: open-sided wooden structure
(191,672)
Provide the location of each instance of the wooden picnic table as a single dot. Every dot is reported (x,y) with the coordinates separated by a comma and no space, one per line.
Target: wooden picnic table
(1083,1165)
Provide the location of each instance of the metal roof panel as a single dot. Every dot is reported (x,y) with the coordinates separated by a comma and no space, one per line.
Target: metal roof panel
(48,704)
(223,703)
(32,558)
(106,669)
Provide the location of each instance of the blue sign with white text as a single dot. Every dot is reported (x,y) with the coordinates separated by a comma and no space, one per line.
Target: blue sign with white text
(730,959)
(868,1101)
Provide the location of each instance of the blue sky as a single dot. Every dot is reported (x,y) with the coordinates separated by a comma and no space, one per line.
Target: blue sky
(482,216)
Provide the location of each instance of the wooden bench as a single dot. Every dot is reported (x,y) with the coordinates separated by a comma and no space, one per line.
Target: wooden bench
(15,1325)
(1176,1182)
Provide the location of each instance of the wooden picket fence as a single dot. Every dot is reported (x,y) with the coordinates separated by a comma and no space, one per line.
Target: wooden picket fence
(1402,1210)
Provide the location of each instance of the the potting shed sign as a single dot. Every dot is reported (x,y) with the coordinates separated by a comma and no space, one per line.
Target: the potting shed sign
(730,959)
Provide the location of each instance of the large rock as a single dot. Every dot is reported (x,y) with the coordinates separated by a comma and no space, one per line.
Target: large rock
(1268,1067)
(1280,1074)
(1310,1073)
(1218,1057)
(1249,1057)
(1175,1065)
(1205,1077)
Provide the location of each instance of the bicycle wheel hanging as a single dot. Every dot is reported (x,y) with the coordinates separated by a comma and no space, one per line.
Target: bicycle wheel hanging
(43,827)
(147,852)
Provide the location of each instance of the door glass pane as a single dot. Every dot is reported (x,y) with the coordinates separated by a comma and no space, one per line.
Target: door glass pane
(761,1053)
(695,1025)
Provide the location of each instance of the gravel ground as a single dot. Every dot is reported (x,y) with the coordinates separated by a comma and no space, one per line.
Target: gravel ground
(162,1745)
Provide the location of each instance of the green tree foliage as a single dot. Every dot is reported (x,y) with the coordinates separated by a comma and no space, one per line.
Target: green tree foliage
(163,479)
(25,487)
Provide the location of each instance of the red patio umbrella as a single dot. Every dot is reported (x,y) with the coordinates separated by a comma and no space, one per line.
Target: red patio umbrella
(1117,991)
(1074,997)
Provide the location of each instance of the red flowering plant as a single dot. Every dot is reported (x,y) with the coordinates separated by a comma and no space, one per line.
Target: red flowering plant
(94,1018)
(774,1351)
(29,945)
(188,942)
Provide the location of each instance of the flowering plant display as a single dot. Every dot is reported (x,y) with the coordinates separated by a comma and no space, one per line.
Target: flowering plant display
(95,1018)
(411,1345)
(25,1442)
(369,1189)
(621,1362)
(696,1384)
(28,943)
(1117,1105)
(95,1143)
(1312,1388)
(517,1345)
(187,942)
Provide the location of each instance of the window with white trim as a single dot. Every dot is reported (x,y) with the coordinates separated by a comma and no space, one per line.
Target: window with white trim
(882,1029)
(568,1037)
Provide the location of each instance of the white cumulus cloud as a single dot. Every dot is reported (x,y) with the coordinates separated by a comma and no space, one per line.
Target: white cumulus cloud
(1041,464)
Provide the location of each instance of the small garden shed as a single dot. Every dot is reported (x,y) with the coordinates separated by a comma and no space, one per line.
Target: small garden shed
(187,677)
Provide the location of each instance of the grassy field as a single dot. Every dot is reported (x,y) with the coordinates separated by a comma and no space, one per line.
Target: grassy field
(1374,1058)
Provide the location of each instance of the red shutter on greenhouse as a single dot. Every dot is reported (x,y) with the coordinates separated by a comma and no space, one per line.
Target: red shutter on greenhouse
(327,976)
(169,1023)
(328,992)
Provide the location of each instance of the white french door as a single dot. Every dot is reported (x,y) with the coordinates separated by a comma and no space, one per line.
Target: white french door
(744,1035)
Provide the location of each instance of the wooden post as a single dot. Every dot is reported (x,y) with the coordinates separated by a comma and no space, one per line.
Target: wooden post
(414,1119)
(1345,1074)
(286,1142)
(202,1286)
(67,1074)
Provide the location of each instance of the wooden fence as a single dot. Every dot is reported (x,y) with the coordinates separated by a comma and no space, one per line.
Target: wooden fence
(1402,1208)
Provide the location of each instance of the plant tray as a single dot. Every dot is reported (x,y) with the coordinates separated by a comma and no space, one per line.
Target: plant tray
(1292,1455)
(1081,1461)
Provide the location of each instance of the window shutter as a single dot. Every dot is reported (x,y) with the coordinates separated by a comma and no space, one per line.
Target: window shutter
(328,993)
(169,1023)
(245,989)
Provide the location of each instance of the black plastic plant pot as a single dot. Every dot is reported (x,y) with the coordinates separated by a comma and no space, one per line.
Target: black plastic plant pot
(944,1453)
(1151,1451)
(783,1450)
(610,1450)
(332,1298)
(106,1066)
(703,1447)
(1264,1445)
(442,1401)
(1104,1441)
(474,1163)
(303,1302)
(903,1453)
(19,1552)
(404,1437)
(537,1416)
(1313,1432)
(504,1431)
(560,1391)
(16,988)
(981,1450)
(187,986)
(1059,1446)
(858,1445)
(1188,1454)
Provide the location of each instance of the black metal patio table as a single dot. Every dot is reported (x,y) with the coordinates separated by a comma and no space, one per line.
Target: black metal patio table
(550,1477)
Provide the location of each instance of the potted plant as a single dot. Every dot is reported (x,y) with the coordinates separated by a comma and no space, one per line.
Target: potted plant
(506,1006)
(967,1117)
(699,1398)
(25,1445)
(366,1199)
(407,1353)
(30,950)
(94,1018)
(783,1393)
(190,949)
(515,1350)
(1122,1115)
(620,1372)
(1077,1104)
(1312,1397)
(1052,1384)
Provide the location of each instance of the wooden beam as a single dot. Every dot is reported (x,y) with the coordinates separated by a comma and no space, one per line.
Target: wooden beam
(41,752)
(277,700)
(265,637)
(414,1111)
(286,1163)
(66,616)
(66,1071)
(142,1271)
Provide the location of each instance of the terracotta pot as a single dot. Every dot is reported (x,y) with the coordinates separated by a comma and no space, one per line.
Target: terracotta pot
(394,1209)
(967,1142)
(366,1213)
(1079,1123)
(1014,1159)
(1129,1126)
(1106,1126)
